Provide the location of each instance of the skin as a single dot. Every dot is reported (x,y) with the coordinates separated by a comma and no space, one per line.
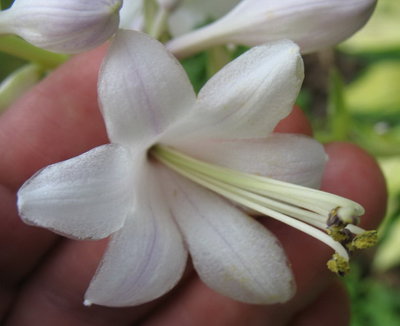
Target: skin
(43,276)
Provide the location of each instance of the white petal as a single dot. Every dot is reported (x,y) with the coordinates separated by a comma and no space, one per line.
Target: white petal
(313,24)
(232,253)
(142,89)
(249,96)
(145,259)
(86,197)
(287,157)
(62,26)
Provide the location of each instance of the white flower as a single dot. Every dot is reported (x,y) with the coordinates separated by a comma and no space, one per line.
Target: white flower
(154,214)
(313,24)
(62,26)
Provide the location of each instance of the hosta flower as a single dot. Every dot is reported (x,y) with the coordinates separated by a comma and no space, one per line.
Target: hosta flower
(152,189)
(313,24)
(62,26)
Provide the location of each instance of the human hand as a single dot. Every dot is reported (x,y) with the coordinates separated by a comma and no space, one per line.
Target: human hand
(43,276)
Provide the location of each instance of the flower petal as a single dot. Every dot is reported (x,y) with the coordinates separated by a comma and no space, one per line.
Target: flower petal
(85,197)
(313,24)
(249,96)
(142,89)
(62,26)
(287,157)
(232,253)
(145,259)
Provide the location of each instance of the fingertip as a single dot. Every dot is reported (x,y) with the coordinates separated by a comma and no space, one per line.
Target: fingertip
(352,173)
(296,123)
(331,308)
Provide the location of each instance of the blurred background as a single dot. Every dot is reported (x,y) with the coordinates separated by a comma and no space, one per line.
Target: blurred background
(351,93)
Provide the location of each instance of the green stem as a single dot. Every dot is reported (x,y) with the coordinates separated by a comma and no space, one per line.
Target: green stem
(159,24)
(218,57)
(337,109)
(17,83)
(149,9)
(18,47)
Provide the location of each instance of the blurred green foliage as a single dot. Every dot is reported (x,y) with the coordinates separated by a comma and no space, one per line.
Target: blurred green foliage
(371,102)
(374,302)
(8,63)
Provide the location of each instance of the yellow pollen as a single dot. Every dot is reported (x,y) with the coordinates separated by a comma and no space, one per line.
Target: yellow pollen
(338,265)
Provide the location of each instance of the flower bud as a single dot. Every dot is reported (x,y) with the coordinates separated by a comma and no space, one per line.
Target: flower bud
(62,26)
(313,24)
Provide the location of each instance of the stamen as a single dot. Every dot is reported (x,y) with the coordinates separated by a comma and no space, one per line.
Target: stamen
(338,265)
(326,217)
(365,240)
(312,199)
(344,236)
(341,216)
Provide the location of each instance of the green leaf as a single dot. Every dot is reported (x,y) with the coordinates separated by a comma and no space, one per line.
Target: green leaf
(20,48)
(196,68)
(377,90)
(381,34)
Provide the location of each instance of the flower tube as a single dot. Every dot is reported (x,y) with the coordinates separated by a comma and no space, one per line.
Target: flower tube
(62,26)
(312,24)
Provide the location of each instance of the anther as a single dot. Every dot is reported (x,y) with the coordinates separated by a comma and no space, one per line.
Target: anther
(334,221)
(365,240)
(344,236)
(338,265)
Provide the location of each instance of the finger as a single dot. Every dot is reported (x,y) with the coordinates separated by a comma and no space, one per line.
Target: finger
(58,119)
(199,305)
(55,294)
(296,123)
(354,174)
(331,308)
(17,255)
